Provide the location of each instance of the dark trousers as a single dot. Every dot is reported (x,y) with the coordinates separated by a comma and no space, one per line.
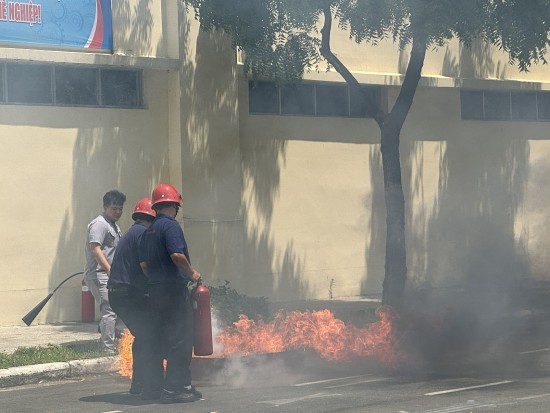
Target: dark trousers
(172,314)
(132,306)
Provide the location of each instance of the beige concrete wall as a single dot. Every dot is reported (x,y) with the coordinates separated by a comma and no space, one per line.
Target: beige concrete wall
(143,28)
(314,202)
(59,161)
(467,185)
(210,155)
(531,227)
(56,163)
(309,186)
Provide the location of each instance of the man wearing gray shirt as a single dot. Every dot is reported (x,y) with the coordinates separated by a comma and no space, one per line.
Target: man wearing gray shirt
(103,237)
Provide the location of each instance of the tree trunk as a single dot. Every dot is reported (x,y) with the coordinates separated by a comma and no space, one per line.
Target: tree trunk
(396,258)
(390,127)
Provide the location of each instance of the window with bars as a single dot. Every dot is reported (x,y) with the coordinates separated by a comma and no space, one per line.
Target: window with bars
(311,99)
(68,85)
(505,105)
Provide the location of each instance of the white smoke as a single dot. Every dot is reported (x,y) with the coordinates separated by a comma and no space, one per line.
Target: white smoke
(254,371)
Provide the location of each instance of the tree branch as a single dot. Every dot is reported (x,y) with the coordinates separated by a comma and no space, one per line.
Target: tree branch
(341,68)
(405,98)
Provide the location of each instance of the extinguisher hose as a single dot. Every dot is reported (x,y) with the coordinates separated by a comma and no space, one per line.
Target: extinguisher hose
(67,279)
(31,315)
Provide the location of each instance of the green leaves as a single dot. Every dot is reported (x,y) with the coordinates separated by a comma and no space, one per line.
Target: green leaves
(280,38)
(520,28)
(275,35)
(228,305)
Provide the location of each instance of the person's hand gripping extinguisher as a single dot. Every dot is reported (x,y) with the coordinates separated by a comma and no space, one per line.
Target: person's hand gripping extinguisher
(202,320)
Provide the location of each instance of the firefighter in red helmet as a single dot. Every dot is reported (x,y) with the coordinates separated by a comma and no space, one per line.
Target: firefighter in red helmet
(165,259)
(128,297)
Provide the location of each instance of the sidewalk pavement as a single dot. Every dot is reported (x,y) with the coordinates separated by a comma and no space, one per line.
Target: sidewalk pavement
(13,337)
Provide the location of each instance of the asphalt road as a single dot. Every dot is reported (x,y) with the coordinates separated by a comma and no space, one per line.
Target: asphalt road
(301,382)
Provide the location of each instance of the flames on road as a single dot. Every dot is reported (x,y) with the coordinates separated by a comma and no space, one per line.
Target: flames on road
(330,337)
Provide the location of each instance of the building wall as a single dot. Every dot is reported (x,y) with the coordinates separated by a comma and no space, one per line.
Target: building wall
(210,155)
(57,162)
(313,197)
(314,200)
(286,207)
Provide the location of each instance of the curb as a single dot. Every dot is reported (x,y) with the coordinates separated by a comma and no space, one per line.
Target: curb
(17,376)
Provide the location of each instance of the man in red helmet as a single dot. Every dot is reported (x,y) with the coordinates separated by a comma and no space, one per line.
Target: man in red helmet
(128,297)
(165,260)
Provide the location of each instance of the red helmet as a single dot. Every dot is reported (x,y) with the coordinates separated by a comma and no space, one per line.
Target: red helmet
(144,207)
(166,193)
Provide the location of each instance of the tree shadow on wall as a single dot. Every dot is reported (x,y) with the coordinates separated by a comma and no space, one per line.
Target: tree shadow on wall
(215,169)
(470,268)
(134,28)
(467,266)
(107,156)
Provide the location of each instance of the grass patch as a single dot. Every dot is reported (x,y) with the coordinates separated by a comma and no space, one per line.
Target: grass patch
(25,356)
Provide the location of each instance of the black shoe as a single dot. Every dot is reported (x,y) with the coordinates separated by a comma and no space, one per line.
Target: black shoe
(150,395)
(184,396)
(194,391)
(135,388)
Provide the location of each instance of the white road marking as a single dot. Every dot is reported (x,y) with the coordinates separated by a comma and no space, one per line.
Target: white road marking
(328,380)
(436,393)
(536,396)
(354,383)
(534,351)
(114,411)
(37,385)
(298,399)
(462,407)
(470,408)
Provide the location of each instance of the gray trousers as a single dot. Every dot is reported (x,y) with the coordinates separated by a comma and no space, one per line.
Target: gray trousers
(97,283)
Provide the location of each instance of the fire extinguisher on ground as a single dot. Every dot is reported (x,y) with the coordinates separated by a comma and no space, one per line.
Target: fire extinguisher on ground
(88,304)
(202,321)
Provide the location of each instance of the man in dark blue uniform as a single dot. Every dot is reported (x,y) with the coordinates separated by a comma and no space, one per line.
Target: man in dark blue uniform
(165,259)
(128,297)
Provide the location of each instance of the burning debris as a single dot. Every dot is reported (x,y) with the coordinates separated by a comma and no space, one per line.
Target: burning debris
(320,331)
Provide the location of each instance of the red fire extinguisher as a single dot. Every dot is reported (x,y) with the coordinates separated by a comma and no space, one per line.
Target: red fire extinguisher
(88,304)
(203,321)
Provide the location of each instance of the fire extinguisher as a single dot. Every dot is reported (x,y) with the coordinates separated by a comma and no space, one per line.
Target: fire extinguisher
(88,304)
(202,321)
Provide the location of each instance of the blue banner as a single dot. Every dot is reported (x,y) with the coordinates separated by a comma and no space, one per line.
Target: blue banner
(66,23)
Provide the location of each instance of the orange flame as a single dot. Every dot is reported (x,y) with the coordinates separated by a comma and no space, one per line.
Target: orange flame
(125,359)
(330,337)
